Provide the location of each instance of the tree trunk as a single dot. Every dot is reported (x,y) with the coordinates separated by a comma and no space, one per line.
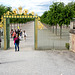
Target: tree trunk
(67,26)
(14,25)
(50,28)
(53,28)
(56,30)
(60,31)
(11,25)
(17,25)
(20,25)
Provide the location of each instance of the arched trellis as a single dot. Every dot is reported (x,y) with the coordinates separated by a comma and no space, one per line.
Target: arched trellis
(6,21)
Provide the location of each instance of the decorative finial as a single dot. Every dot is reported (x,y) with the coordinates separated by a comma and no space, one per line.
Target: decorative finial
(15,11)
(25,11)
(32,13)
(20,10)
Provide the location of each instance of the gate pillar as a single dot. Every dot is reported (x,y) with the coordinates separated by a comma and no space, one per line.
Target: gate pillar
(5,41)
(8,32)
(35,31)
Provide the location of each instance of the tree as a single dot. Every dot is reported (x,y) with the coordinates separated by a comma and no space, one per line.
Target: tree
(54,14)
(59,13)
(50,19)
(68,14)
(44,17)
(4,9)
(71,5)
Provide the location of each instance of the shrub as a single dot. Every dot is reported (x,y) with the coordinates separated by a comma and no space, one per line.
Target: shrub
(67,45)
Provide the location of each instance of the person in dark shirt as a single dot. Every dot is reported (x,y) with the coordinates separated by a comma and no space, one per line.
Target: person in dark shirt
(16,42)
(18,32)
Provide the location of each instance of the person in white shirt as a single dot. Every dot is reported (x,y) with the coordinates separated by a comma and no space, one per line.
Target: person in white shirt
(24,35)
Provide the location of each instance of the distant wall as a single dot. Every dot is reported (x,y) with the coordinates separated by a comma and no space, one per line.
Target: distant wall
(72,42)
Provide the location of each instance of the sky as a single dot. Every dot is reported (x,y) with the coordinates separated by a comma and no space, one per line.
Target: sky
(37,6)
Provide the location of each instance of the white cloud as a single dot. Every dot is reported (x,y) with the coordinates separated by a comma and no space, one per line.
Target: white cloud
(38,6)
(65,1)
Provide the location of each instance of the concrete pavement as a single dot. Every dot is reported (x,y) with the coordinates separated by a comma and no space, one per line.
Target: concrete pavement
(32,62)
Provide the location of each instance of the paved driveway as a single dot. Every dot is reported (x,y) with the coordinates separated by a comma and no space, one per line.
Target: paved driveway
(32,62)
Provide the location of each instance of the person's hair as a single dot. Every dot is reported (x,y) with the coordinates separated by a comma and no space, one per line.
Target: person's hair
(24,31)
(14,36)
(18,29)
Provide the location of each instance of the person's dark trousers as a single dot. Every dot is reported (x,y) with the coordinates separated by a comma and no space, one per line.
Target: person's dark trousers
(18,34)
(16,46)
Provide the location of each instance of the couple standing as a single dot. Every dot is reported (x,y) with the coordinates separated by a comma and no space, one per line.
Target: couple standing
(17,40)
